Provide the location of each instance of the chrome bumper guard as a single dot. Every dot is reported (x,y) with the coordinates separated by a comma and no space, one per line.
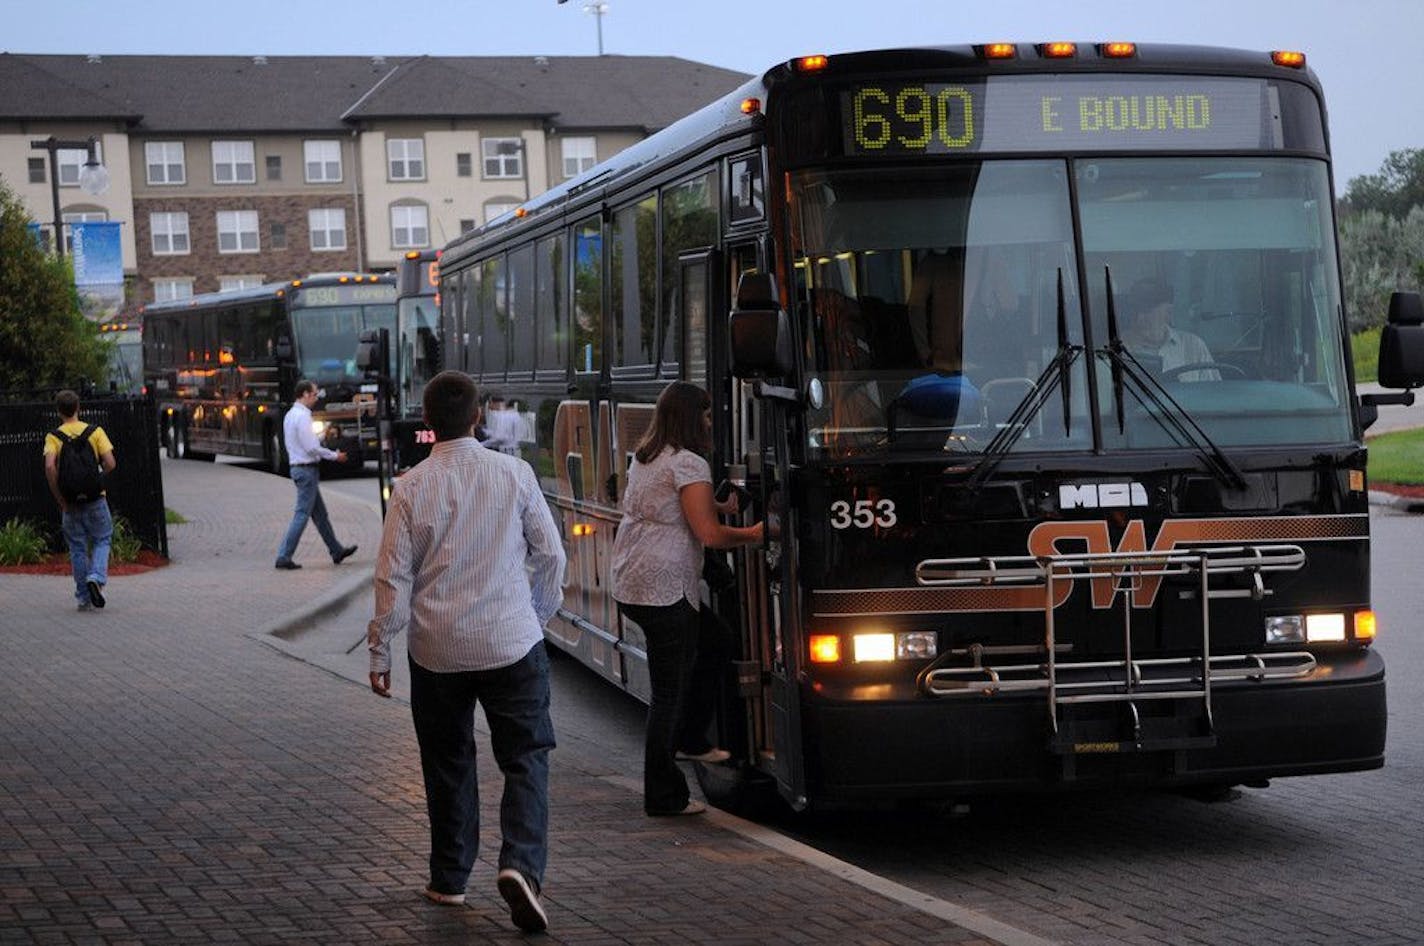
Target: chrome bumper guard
(989,671)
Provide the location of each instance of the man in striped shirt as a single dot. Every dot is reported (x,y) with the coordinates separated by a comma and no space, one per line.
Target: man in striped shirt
(471,564)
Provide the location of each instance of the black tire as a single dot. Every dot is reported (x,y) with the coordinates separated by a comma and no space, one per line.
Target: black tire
(276,451)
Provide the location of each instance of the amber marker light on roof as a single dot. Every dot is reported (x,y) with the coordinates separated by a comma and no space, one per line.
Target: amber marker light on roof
(1119,50)
(999,51)
(1288,57)
(520,212)
(413,254)
(1059,50)
(751,106)
(809,63)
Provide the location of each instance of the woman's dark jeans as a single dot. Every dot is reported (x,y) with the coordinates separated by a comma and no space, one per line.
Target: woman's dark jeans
(516,702)
(683,697)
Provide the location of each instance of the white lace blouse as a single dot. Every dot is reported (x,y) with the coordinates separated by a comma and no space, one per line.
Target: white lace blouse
(656,558)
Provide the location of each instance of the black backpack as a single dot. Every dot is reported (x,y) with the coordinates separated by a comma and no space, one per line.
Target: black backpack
(79,478)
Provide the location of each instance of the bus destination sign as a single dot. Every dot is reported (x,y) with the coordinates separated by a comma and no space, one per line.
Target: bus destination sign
(343,294)
(1061,113)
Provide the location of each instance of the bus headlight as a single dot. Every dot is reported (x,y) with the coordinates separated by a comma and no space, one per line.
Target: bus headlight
(904,645)
(1285,629)
(1324,627)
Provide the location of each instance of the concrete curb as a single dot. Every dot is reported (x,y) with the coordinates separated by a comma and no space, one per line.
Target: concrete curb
(1393,501)
(332,601)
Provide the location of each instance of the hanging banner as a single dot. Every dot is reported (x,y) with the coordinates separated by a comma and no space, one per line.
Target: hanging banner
(98,257)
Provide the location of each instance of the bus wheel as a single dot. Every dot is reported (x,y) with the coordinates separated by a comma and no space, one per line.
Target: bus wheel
(741,790)
(276,451)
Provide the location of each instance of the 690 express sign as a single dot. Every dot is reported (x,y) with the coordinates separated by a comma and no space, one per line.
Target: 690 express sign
(1059,113)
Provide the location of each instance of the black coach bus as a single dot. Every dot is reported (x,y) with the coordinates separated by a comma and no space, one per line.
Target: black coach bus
(1036,352)
(222,366)
(416,356)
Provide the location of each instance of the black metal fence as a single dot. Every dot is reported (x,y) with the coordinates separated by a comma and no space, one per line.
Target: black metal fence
(135,488)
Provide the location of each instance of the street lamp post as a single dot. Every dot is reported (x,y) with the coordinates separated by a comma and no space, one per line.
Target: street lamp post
(93,177)
(597,9)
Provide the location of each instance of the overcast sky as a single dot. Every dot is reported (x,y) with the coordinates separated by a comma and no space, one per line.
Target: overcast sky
(1365,51)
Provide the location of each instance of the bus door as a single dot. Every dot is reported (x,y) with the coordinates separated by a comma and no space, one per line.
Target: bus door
(771,657)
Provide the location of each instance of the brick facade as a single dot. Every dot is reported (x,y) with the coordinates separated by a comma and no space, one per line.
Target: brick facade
(205,265)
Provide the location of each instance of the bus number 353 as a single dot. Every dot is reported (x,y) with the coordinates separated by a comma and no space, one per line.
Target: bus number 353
(864,514)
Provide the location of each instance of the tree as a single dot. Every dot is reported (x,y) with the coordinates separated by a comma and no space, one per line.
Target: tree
(1394,191)
(1379,254)
(45,339)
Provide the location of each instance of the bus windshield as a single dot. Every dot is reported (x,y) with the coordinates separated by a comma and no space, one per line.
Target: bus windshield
(418,326)
(327,336)
(934,297)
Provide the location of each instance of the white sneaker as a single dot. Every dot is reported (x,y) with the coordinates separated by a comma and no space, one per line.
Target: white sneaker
(524,908)
(444,899)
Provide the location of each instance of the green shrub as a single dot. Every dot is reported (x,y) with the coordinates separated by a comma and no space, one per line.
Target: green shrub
(125,546)
(1365,348)
(21,543)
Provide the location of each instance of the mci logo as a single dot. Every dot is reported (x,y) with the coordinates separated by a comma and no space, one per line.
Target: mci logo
(1101,495)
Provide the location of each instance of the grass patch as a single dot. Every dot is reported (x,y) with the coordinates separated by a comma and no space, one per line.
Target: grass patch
(173,517)
(1365,349)
(21,543)
(1397,457)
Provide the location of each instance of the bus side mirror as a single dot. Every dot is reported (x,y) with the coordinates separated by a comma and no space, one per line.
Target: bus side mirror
(284,347)
(760,330)
(1401,356)
(371,351)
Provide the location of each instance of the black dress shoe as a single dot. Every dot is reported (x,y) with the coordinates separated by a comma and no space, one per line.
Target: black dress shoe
(286,564)
(343,555)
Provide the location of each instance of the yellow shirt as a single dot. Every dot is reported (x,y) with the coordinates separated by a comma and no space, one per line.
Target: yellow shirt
(98,439)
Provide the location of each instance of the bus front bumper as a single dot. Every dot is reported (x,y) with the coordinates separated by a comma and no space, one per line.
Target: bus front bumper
(1331,721)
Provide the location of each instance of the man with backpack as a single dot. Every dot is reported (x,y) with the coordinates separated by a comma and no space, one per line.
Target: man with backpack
(77,456)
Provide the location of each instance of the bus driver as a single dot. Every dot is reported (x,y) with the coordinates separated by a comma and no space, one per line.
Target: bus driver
(1150,337)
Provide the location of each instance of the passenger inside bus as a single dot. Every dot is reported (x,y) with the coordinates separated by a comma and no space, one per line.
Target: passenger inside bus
(1150,337)
(936,310)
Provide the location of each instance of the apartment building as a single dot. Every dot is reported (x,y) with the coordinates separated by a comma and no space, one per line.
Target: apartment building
(230,171)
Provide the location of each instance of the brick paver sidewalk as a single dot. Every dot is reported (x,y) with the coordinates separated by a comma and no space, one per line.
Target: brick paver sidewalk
(166,777)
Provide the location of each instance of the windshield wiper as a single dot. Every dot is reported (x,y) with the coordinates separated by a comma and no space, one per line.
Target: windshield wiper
(1176,421)
(1055,375)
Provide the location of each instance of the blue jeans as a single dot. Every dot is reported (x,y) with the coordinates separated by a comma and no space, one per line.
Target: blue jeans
(309,506)
(516,702)
(88,530)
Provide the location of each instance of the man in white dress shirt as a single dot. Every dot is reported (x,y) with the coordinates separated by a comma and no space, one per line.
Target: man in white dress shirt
(471,565)
(304,456)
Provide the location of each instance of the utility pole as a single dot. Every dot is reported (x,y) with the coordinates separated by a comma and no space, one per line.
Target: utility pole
(597,8)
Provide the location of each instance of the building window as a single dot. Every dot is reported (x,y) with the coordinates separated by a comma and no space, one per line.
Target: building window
(237,231)
(71,160)
(466,226)
(405,159)
(232,283)
(274,167)
(323,161)
(464,166)
(496,208)
(503,157)
(37,170)
(166,290)
(410,226)
(234,163)
(170,232)
(579,155)
(277,236)
(328,228)
(79,216)
(165,162)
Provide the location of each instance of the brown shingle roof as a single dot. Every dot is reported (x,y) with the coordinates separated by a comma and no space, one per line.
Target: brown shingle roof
(172,94)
